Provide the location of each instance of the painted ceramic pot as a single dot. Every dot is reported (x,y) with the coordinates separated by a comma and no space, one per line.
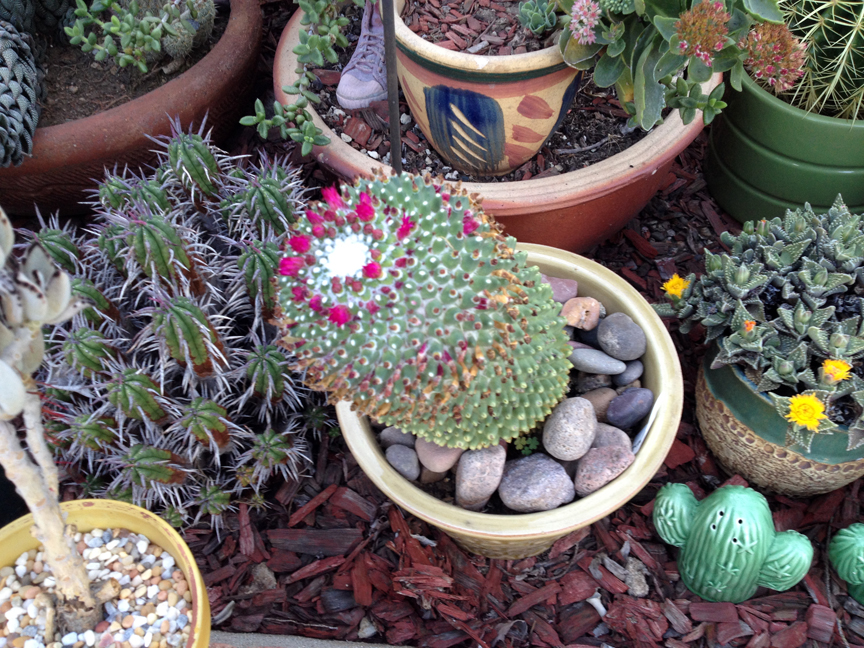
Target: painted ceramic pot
(747,435)
(528,534)
(728,544)
(67,157)
(89,514)
(846,553)
(766,156)
(572,211)
(484,114)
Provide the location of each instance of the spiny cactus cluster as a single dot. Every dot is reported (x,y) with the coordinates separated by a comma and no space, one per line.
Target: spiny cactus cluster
(168,389)
(539,16)
(787,303)
(401,296)
(833,31)
(19,89)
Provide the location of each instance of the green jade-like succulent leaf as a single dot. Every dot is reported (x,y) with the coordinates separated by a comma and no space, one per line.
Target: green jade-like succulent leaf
(728,544)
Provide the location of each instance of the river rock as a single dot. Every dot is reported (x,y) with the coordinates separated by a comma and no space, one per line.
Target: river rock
(478,474)
(621,337)
(435,457)
(609,435)
(586,382)
(600,399)
(404,460)
(633,371)
(429,477)
(562,289)
(636,384)
(595,361)
(569,430)
(577,345)
(393,435)
(630,407)
(569,467)
(599,466)
(589,337)
(582,312)
(535,483)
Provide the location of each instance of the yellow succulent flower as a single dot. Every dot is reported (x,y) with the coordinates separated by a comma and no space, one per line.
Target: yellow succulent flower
(675,286)
(836,370)
(806,410)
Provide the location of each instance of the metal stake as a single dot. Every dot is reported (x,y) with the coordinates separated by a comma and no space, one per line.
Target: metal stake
(387,13)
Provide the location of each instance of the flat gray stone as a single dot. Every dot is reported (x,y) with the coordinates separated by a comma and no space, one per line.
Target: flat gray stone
(632,372)
(535,483)
(586,382)
(404,461)
(478,475)
(393,435)
(597,362)
(569,430)
(621,337)
(435,457)
(609,435)
(630,407)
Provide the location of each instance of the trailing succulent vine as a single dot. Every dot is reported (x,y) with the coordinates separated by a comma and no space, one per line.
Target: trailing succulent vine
(787,304)
(401,296)
(168,389)
(323,29)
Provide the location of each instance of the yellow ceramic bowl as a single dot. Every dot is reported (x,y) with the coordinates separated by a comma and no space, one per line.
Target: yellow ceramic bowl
(90,514)
(520,535)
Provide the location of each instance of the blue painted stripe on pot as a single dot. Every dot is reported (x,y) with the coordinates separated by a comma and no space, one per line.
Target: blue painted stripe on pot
(756,411)
(466,125)
(477,76)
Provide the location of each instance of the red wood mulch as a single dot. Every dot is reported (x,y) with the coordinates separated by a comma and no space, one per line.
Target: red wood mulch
(345,558)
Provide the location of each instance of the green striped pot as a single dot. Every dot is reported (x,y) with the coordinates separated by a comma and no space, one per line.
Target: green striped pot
(484,114)
(765,156)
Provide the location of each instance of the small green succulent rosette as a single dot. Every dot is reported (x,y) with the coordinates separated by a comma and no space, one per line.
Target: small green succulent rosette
(846,553)
(728,544)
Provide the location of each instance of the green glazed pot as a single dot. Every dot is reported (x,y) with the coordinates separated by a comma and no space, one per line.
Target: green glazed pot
(728,544)
(766,156)
(748,437)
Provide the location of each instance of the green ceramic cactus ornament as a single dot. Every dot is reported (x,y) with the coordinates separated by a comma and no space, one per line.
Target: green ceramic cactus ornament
(846,553)
(728,543)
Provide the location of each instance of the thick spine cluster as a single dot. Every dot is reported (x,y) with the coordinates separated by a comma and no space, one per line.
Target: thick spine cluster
(167,387)
(404,298)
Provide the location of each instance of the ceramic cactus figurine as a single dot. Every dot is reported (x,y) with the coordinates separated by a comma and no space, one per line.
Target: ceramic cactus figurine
(846,553)
(400,295)
(728,543)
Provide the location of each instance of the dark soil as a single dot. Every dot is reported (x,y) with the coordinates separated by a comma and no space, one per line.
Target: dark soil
(78,86)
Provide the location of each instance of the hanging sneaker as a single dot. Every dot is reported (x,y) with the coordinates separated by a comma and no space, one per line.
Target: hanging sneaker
(364,79)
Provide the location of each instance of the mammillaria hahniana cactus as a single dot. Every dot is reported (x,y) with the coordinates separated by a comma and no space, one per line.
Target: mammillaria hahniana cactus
(169,390)
(400,295)
(728,543)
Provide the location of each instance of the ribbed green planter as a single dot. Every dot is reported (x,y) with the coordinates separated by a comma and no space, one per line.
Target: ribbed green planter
(765,156)
(748,437)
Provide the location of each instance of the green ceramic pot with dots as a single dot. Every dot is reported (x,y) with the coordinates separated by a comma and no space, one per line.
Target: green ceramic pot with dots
(846,553)
(728,544)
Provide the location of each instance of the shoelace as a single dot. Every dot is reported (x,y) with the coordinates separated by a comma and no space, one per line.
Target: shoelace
(368,47)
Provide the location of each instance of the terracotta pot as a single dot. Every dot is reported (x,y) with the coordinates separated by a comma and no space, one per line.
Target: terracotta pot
(68,157)
(90,514)
(748,437)
(520,535)
(572,211)
(766,156)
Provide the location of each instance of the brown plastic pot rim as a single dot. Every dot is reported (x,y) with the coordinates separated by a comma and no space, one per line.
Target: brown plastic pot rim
(585,510)
(504,199)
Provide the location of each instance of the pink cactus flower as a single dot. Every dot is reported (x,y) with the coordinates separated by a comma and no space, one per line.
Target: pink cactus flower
(339,315)
(331,197)
(290,266)
(299,293)
(405,228)
(372,270)
(469,225)
(315,304)
(318,231)
(299,244)
(314,217)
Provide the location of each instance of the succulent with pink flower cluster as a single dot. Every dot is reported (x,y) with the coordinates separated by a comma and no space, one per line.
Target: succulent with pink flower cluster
(702,31)
(584,17)
(774,56)
(400,295)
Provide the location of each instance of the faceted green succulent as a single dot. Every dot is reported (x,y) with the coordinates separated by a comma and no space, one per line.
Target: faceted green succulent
(786,303)
(539,16)
(846,553)
(401,296)
(728,544)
